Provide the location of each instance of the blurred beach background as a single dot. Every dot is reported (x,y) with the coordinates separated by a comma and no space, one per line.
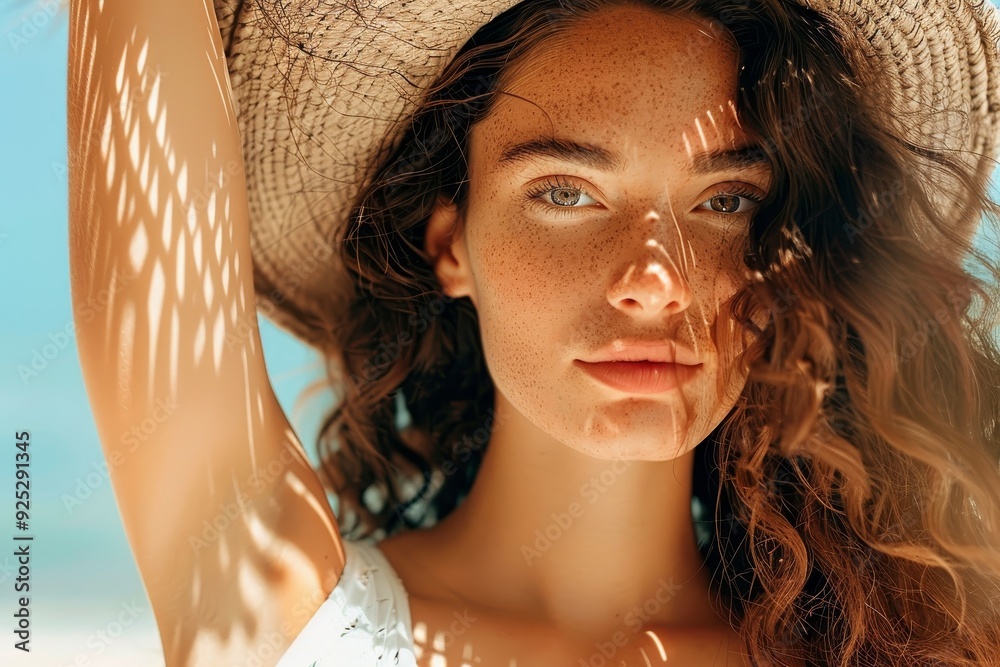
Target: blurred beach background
(88,604)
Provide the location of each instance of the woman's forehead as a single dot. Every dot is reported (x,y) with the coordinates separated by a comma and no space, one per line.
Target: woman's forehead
(620,49)
(619,83)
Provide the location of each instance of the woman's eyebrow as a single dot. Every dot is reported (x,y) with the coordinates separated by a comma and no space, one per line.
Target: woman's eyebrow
(745,157)
(742,158)
(561,149)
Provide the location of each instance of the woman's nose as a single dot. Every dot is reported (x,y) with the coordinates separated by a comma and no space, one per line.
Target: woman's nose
(653,284)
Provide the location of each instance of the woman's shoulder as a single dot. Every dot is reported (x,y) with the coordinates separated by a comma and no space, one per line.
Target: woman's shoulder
(364,621)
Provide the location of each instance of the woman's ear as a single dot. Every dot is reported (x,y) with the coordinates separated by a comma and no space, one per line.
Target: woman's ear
(445,246)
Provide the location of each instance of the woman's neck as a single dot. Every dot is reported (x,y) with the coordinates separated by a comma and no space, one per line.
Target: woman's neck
(589,544)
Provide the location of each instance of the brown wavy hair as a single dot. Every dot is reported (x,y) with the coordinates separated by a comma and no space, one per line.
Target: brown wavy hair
(854,489)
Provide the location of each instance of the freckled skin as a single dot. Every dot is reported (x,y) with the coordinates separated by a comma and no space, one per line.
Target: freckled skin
(550,289)
(641,254)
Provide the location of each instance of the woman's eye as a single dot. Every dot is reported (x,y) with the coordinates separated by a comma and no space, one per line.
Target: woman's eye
(568,197)
(727,202)
(558,194)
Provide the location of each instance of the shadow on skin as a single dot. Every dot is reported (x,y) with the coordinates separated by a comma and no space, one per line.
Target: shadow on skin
(227,520)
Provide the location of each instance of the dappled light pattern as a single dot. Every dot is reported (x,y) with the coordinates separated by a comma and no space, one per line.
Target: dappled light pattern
(436,643)
(229,524)
(158,205)
(707,319)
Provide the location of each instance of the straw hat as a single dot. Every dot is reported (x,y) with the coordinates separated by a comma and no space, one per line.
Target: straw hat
(357,70)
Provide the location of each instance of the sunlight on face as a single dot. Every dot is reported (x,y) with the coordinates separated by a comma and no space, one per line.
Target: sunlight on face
(600,210)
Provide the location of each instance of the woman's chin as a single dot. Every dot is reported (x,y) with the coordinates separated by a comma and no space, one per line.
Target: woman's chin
(630,446)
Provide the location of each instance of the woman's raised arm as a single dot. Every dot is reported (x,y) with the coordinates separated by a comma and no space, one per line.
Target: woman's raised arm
(227,520)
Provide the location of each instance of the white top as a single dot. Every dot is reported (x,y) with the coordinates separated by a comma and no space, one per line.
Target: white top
(365,622)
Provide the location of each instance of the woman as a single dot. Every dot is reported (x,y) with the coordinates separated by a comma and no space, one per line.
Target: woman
(647,321)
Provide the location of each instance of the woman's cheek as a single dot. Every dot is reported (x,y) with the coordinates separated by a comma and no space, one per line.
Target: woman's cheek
(521,261)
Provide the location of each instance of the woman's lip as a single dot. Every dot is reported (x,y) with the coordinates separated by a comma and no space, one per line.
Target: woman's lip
(639,377)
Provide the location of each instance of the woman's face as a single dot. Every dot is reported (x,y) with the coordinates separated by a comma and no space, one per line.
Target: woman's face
(564,252)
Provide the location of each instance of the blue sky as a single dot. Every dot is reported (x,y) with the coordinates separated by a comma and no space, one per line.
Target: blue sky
(82,570)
